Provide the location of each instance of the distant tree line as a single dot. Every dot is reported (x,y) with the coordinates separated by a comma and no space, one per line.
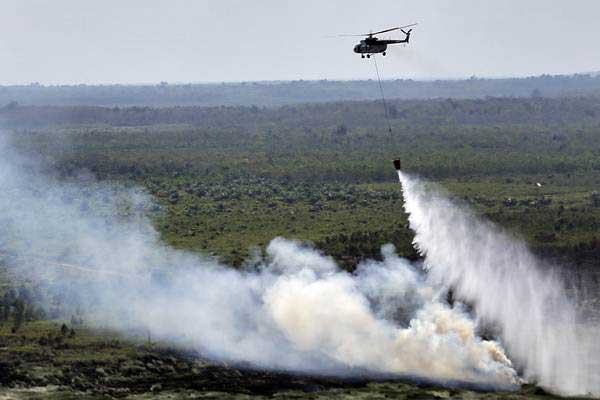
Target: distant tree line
(346,141)
(344,115)
(290,92)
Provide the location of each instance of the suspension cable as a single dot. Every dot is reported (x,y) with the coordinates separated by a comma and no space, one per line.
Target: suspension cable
(385,111)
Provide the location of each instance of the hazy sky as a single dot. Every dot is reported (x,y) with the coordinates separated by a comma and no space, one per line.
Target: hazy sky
(147,41)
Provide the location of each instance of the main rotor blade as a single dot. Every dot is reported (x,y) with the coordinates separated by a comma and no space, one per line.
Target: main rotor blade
(409,25)
(384,31)
(391,29)
(351,35)
(377,33)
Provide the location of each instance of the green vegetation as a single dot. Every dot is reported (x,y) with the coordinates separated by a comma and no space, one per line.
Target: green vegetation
(272,94)
(229,179)
(54,360)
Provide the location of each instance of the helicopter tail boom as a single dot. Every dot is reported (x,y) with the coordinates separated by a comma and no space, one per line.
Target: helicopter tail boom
(405,40)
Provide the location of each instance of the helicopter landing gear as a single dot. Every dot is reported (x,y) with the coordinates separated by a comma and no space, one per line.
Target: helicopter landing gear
(383,53)
(368,56)
(362,56)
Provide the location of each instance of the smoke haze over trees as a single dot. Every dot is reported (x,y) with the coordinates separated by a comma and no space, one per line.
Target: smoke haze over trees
(272,94)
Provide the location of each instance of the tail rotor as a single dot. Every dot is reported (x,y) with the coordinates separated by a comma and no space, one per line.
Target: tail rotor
(407,33)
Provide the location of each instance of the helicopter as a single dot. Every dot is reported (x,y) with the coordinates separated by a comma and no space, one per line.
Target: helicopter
(371,44)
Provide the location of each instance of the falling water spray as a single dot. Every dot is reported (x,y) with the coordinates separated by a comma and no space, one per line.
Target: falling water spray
(508,288)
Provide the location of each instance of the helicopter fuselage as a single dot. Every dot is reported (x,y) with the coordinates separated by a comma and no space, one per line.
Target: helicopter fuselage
(370,48)
(372,45)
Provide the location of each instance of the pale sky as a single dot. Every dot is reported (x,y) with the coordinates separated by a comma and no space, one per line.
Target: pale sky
(148,41)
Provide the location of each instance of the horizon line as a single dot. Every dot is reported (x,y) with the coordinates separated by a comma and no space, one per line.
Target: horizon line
(280,81)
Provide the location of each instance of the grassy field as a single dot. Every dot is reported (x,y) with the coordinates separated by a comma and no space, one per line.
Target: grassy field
(231,178)
(560,213)
(44,362)
(226,180)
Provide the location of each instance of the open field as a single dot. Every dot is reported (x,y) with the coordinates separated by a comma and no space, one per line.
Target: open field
(40,362)
(231,178)
(226,180)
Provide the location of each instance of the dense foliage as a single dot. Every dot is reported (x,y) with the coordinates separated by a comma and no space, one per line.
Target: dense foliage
(226,180)
(347,142)
(230,178)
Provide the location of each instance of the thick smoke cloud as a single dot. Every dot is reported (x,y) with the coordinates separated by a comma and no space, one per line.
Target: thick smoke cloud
(509,288)
(294,310)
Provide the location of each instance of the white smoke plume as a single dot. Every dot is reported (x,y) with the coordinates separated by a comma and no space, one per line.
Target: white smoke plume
(295,310)
(508,287)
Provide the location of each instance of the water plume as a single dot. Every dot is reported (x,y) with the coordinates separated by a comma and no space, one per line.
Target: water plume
(508,288)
